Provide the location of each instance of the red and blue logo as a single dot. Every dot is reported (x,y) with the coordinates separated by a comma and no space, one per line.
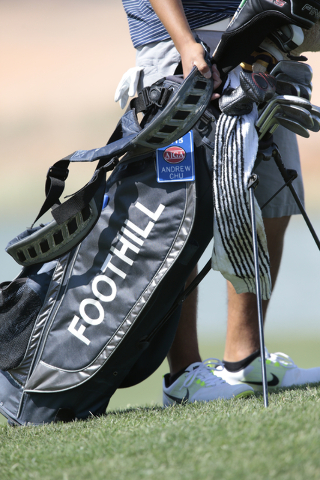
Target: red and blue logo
(174,154)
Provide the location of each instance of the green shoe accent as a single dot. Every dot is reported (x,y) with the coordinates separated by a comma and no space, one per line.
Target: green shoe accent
(244,394)
(198,384)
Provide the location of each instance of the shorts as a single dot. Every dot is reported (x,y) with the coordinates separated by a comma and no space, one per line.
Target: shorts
(160,59)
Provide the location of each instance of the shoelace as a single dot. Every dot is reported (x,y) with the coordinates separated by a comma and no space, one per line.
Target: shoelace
(203,372)
(281,358)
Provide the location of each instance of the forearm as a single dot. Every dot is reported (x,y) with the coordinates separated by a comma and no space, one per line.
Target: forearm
(172,15)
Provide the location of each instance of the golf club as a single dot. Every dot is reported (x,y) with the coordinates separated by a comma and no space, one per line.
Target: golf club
(287,88)
(301,72)
(291,125)
(296,114)
(316,124)
(252,184)
(283,100)
(285,78)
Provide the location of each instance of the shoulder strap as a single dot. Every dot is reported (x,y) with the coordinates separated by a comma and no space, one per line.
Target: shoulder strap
(55,183)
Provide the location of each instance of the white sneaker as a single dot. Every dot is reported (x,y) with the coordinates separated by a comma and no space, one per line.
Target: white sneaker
(281,372)
(199,383)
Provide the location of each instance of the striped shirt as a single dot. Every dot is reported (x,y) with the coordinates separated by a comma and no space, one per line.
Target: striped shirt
(145,27)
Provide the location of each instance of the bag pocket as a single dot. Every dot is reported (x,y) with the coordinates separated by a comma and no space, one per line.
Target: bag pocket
(19,308)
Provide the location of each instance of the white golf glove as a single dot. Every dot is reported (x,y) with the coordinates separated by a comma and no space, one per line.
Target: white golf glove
(127,86)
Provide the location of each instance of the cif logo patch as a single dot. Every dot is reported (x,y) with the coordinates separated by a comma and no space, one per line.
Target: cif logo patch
(174,154)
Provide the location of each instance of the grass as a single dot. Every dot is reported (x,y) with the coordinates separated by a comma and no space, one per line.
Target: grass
(235,440)
(223,440)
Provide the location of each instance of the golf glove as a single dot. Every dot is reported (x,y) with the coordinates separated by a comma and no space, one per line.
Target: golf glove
(127,86)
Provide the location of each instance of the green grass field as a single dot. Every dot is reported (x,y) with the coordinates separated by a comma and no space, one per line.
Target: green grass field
(237,439)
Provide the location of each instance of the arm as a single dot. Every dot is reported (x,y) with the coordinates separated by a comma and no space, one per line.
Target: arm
(172,15)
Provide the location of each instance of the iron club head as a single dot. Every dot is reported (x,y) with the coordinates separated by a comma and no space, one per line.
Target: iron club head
(287,88)
(316,124)
(315,111)
(300,72)
(281,100)
(298,114)
(285,78)
(291,125)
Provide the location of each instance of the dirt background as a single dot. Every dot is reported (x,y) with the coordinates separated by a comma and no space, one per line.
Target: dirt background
(61,61)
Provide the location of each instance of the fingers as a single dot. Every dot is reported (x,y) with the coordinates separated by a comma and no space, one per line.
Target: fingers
(193,55)
(216,81)
(203,69)
(216,76)
(215,96)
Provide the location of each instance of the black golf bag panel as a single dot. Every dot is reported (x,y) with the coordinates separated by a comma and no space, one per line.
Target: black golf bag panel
(96,325)
(201,234)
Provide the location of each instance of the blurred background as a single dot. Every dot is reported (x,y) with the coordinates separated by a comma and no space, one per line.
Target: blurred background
(61,63)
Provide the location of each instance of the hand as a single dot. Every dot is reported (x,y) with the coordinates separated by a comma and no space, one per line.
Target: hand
(192,54)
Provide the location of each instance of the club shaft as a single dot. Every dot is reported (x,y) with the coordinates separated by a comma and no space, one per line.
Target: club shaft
(259,299)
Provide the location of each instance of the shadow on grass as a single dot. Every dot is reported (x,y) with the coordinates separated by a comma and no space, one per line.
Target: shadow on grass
(125,412)
(255,395)
(146,409)
(293,388)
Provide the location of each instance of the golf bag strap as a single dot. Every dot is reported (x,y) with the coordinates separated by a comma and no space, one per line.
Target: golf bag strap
(155,95)
(55,184)
(79,200)
(54,187)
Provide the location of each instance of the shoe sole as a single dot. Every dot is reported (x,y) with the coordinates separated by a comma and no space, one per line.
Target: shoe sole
(248,393)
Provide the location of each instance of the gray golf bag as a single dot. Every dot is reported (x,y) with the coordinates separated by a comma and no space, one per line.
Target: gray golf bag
(75,328)
(91,310)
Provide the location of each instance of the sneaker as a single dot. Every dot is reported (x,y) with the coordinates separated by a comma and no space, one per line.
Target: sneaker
(281,372)
(198,383)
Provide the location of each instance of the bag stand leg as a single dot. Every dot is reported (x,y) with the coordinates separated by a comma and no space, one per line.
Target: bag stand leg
(252,184)
(286,177)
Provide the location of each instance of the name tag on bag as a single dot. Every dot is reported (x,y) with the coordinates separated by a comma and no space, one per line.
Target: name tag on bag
(175,163)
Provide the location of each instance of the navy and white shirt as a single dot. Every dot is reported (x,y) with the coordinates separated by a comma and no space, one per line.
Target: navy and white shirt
(145,27)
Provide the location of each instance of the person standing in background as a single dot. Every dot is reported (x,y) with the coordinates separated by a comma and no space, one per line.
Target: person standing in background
(163,33)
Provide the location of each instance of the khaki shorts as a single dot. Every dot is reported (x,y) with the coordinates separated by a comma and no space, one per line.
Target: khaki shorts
(161,59)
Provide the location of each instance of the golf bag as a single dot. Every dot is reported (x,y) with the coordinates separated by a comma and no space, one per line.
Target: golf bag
(85,318)
(75,329)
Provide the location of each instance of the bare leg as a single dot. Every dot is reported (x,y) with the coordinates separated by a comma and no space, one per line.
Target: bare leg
(184,349)
(243,331)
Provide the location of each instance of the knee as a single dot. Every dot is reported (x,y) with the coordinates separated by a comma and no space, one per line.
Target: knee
(276,227)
